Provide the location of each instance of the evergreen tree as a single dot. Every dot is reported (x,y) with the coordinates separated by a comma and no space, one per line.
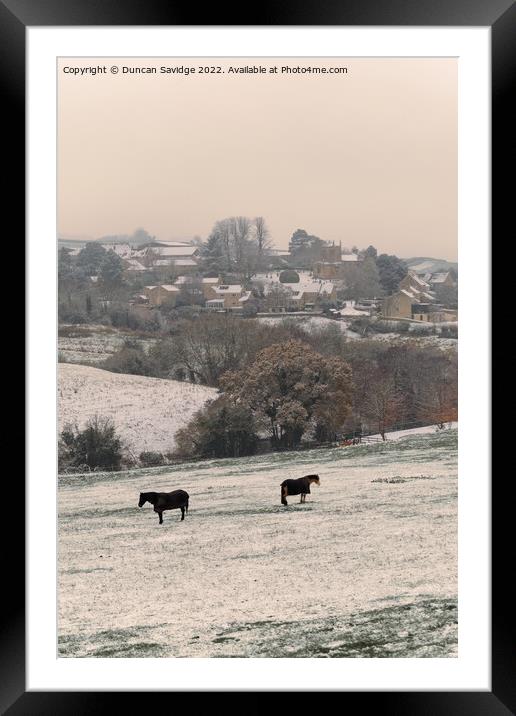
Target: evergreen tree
(91,257)
(370,285)
(392,271)
(111,270)
(371,251)
(212,257)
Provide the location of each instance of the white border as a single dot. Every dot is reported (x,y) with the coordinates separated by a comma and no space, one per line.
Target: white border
(471,670)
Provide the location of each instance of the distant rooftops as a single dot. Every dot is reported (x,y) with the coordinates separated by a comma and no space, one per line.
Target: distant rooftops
(417,279)
(226,289)
(171,243)
(182,250)
(166,287)
(190,279)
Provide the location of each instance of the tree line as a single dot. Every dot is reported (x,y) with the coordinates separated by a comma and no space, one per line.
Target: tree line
(289,384)
(322,390)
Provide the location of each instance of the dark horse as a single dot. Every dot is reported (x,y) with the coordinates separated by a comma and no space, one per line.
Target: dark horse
(301,486)
(178,499)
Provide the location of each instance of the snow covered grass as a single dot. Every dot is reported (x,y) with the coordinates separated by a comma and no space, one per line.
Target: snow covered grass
(413,338)
(314,323)
(309,323)
(146,411)
(270,278)
(366,568)
(91,345)
(425,430)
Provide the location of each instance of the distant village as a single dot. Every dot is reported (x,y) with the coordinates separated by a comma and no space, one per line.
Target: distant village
(229,312)
(335,281)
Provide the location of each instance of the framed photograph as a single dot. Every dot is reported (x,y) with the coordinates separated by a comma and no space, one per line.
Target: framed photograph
(254,433)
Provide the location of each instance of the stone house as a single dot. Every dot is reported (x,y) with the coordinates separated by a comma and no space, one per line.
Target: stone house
(415,306)
(434,280)
(306,296)
(442,279)
(414,283)
(228,297)
(208,287)
(161,295)
(399,305)
(341,266)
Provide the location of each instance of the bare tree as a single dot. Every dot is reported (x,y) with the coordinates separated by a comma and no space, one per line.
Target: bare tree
(150,256)
(277,297)
(225,234)
(191,293)
(439,398)
(383,401)
(211,345)
(240,244)
(242,247)
(263,241)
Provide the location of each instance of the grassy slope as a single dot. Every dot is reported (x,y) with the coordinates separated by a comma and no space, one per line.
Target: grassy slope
(366,568)
(147,411)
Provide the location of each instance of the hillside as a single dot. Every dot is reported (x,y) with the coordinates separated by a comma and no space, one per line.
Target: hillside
(422,264)
(366,568)
(146,411)
(92,344)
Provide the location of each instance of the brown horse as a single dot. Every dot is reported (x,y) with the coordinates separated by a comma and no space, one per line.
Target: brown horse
(178,499)
(301,486)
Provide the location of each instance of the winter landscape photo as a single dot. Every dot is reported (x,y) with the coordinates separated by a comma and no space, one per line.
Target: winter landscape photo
(257,357)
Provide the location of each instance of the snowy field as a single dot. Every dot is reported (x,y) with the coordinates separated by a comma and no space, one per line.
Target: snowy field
(366,568)
(309,323)
(146,411)
(91,345)
(315,323)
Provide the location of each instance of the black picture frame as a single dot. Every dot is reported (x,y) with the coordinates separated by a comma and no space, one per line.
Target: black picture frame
(500,16)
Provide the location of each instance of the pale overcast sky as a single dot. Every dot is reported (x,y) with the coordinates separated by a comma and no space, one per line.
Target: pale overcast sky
(367,157)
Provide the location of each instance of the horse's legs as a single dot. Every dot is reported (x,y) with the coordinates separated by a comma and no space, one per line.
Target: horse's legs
(284,496)
(160,514)
(182,513)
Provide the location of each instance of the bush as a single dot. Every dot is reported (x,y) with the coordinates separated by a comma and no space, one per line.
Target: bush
(125,318)
(449,332)
(250,309)
(133,344)
(71,314)
(73,332)
(221,429)
(421,330)
(186,312)
(151,459)
(289,276)
(385,326)
(327,307)
(361,325)
(130,360)
(97,446)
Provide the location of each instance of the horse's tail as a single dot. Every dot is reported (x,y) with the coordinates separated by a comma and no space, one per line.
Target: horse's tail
(187,503)
(284,495)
